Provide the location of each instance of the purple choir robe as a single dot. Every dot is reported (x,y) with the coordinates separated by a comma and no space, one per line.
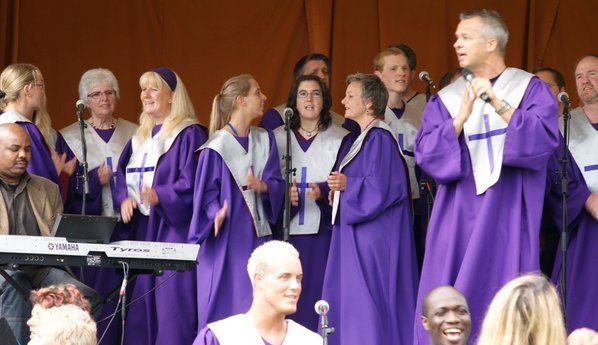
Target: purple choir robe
(104,281)
(371,274)
(166,315)
(74,195)
(313,249)
(271,120)
(582,234)
(41,163)
(223,285)
(477,243)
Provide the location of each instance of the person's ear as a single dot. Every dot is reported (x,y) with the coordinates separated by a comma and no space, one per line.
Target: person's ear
(425,323)
(491,44)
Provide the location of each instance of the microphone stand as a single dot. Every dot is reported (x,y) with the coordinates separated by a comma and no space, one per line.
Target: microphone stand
(82,126)
(425,185)
(326,331)
(564,239)
(428,92)
(288,170)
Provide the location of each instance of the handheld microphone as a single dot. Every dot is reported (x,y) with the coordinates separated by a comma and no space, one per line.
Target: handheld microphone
(322,307)
(468,75)
(563,97)
(287,112)
(425,77)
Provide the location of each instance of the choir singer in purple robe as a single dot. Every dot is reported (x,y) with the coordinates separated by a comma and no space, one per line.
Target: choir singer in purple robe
(25,105)
(371,274)
(106,136)
(316,144)
(486,141)
(155,191)
(238,191)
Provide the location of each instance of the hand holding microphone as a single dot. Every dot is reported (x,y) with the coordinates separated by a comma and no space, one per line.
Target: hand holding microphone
(468,75)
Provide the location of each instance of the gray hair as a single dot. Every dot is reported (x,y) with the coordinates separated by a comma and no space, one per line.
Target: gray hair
(493,26)
(93,77)
(373,89)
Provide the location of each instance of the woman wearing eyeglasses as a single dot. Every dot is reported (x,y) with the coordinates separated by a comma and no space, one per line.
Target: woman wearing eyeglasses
(315,144)
(25,104)
(105,135)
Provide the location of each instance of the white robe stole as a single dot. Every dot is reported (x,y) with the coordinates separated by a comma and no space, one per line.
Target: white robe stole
(404,130)
(99,151)
(142,163)
(312,166)
(583,144)
(485,130)
(238,329)
(239,162)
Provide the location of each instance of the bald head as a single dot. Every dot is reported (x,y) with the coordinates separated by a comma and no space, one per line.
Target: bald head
(445,315)
(15,153)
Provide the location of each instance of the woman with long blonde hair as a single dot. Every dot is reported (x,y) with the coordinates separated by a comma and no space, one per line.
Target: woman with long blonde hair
(238,190)
(155,192)
(24,103)
(526,311)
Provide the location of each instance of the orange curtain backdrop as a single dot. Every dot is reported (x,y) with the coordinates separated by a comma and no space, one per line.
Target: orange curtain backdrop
(208,41)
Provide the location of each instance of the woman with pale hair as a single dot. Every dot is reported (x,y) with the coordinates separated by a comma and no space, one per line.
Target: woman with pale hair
(526,311)
(24,103)
(67,324)
(238,190)
(106,136)
(155,180)
(371,272)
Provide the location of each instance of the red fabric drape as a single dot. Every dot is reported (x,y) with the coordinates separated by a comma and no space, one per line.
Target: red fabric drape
(206,42)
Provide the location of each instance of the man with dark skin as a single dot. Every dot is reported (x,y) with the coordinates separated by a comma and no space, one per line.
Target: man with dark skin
(28,205)
(445,315)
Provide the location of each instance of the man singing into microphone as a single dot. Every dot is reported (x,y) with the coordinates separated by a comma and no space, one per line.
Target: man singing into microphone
(275,272)
(489,160)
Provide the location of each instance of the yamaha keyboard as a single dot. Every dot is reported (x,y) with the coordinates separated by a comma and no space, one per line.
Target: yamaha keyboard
(56,251)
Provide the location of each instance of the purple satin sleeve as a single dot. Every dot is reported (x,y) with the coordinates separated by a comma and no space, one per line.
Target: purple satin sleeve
(271,120)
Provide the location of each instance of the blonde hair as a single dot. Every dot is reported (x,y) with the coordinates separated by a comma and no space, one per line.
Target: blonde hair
(223,104)
(181,111)
(65,325)
(390,51)
(526,311)
(267,252)
(12,80)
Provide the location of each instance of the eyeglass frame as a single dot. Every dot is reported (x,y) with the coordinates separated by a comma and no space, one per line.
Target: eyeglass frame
(98,94)
(313,94)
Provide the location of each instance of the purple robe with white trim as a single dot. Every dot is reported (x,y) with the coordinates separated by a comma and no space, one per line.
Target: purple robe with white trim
(371,274)
(166,315)
(313,249)
(223,285)
(582,234)
(477,243)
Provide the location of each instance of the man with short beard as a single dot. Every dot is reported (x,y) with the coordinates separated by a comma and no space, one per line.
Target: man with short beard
(28,205)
